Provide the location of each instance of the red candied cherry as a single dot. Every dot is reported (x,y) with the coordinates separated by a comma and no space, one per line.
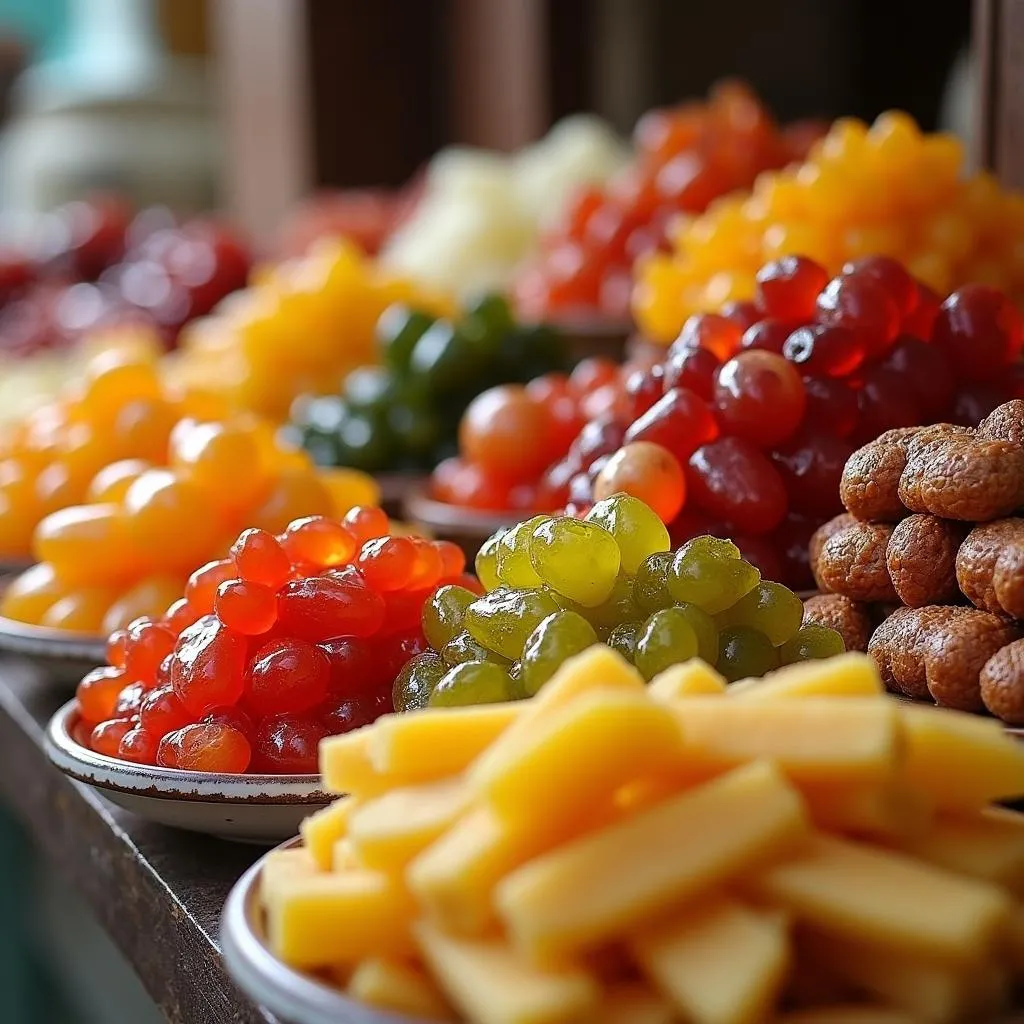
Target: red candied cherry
(129,701)
(641,390)
(927,372)
(599,437)
(897,281)
(692,368)
(318,541)
(787,288)
(690,523)
(320,608)
(920,323)
(247,608)
(260,558)
(205,748)
(759,396)
(735,482)
(759,552)
(767,335)
(163,673)
(106,737)
(741,312)
(975,401)
(98,691)
(285,676)
(347,574)
(138,745)
(553,489)
(356,667)
(885,401)
(812,465)
(147,644)
(232,716)
(647,471)
(980,330)
(679,421)
(209,666)
(403,609)
(354,713)
(161,712)
(400,647)
(831,406)
(117,647)
(462,483)
(201,588)
(180,615)
(590,374)
(365,522)
(792,539)
(864,306)
(712,331)
(565,418)
(387,563)
(428,565)
(288,744)
(453,558)
(824,351)
(507,433)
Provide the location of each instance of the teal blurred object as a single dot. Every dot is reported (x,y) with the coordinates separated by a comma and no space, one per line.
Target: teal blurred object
(43,23)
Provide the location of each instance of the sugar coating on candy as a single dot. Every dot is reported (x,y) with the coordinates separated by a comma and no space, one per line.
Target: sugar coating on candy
(1005,422)
(818,540)
(921,558)
(978,557)
(1002,683)
(849,618)
(853,561)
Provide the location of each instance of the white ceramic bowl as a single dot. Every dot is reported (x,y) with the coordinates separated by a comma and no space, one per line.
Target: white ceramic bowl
(292,997)
(65,655)
(247,808)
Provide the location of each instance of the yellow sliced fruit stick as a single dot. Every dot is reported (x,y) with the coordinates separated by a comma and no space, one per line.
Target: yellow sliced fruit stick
(847,675)
(693,678)
(322,829)
(398,987)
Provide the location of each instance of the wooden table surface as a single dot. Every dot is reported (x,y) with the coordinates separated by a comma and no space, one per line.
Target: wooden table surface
(158,892)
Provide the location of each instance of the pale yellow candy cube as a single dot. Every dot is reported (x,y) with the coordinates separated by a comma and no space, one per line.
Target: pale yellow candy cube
(322,829)
(846,675)
(398,987)
(693,678)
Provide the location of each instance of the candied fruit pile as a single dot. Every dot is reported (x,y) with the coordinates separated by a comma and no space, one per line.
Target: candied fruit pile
(299,328)
(289,639)
(684,158)
(148,522)
(557,585)
(802,850)
(934,527)
(744,430)
(404,414)
(885,190)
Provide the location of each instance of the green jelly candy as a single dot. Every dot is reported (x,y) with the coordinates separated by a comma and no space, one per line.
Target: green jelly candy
(444,612)
(514,566)
(398,329)
(623,639)
(619,606)
(486,563)
(503,619)
(706,573)
(770,608)
(811,642)
(636,527)
(558,637)
(579,560)
(472,682)
(651,587)
(489,315)
(705,629)
(665,639)
(416,681)
(745,653)
(463,647)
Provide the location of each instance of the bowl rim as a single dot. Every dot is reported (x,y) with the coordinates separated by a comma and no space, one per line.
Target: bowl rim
(16,635)
(116,775)
(441,515)
(287,993)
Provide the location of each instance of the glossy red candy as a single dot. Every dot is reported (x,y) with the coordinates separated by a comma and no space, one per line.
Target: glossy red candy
(387,563)
(692,368)
(788,288)
(235,717)
(354,713)
(811,465)
(105,738)
(181,614)
(979,329)
(209,666)
(830,406)
(824,351)
(162,712)
(428,565)
(321,608)
(245,607)
(894,278)
(260,558)
(129,701)
(365,522)
(138,745)
(599,437)
(117,647)
(318,542)
(356,667)
(759,396)
(287,676)
(767,335)
(927,372)
(98,691)
(147,644)
(861,304)
(288,744)
(205,748)
(680,421)
(712,331)
(885,401)
(201,588)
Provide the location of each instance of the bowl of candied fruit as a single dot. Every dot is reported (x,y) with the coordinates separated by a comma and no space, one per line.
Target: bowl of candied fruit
(200,718)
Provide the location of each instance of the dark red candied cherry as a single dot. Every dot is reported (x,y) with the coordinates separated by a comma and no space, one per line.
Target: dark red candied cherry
(564,418)
(980,330)
(599,437)
(692,368)
(718,334)
(641,390)
(209,666)
(975,401)
(811,465)
(680,421)
(576,215)
(692,522)
(742,312)
(138,745)
(885,402)
(864,306)
(920,323)
(590,374)
(759,396)
(897,281)
(287,675)
(787,288)
(760,552)
(356,667)
(731,480)
(233,717)
(768,335)
(927,372)
(287,745)
(791,538)
(553,490)
(161,712)
(831,406)
(345,715)
(320,608)
(824,351)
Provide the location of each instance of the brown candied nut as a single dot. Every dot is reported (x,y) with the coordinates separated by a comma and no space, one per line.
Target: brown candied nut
(920,437)
(1008,579)
(818,538)
(1002,683)
(917,445)
(869,486)
(976,560)
(852,562)
(973,479)
(955,654)
(848,618)
(921,557)
(1005,422)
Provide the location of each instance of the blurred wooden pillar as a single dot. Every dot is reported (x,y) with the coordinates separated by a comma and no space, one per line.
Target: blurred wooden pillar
(999,49)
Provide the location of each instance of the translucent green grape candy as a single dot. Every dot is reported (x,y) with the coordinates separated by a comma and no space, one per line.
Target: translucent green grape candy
(651,587)
(704,628)
(502,620)
(810,642)
(665,639)
(770,608)
(579,560)
(619,606)
(472,682)
(623,639)
(513,554)
(708,575)
(636,527)
(744,652)
(443,614)
(463,648)
(486,563)
(558,637)
(416,681)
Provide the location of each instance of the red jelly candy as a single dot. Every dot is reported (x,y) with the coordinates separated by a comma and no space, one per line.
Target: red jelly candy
(921,321)
(354,713)
(248,608)
(209,664)
(205,748)
(760,397)
(885,401)
(742,313)
(356,667)
(161,712)
(824,351)
(366,522)
(767,335)
(600,436)
(260,558)
(288,744)
(98,691)
(129,701)
(148,643)
(387,563)
(927,373)
(864,306)
(711,331)
(680,421)
(138,745)
(894,278)
(287,676)
(106,737)
(453,558)
(321,608)
(318,541)
(812,465)
(641,390)
(232,716)
(117,647)
(180,615)
(692,368)
(980,331)
(428,567)
(201,589)
(831,406)
(787,288)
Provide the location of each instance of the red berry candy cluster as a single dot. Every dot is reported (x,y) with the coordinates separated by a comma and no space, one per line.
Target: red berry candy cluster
(745,428)
(290,639)
(510,434)
(685,157)
(92,264)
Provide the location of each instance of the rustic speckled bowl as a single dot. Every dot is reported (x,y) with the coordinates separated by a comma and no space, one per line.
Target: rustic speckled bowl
(248,808)
(64,655)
